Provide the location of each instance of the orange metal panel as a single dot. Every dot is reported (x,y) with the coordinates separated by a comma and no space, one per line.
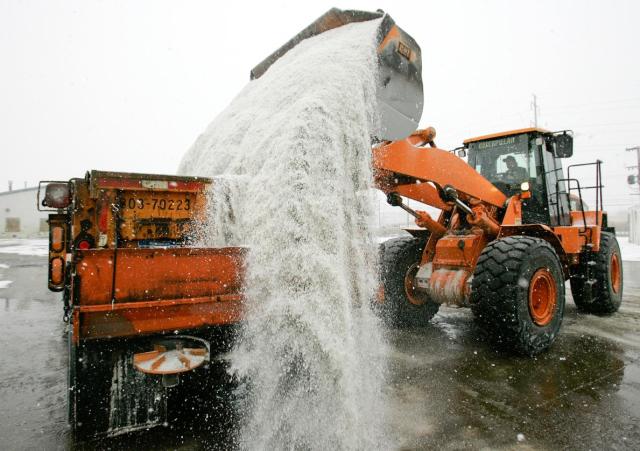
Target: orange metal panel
(458,250)
(570,238)
(436,165)
(129,180)
(507,133)
(592,218)
(158,274)
(513,215)
(423,192)
(159,214)
(135,318)
(574,238)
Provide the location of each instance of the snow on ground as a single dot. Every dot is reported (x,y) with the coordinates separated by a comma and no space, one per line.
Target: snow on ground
(5,283)
(38,247)
(3,266)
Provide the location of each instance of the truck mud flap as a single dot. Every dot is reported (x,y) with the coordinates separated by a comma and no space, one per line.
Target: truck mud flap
(108,396)
(136,401)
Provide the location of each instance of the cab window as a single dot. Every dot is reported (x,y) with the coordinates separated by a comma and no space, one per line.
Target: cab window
(504,161)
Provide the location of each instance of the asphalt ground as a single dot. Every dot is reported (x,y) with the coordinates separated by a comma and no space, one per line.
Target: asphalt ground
(447,388)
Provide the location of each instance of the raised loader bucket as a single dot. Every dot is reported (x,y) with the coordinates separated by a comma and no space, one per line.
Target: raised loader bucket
(400,96)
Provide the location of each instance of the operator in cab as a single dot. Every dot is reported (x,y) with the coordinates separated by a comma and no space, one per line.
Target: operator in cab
(514,173)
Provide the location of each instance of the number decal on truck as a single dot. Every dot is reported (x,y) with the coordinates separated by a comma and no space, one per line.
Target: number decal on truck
(139,203)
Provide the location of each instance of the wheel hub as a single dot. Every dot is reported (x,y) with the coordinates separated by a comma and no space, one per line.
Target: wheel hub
(616,279)
(542,297)
(413,295)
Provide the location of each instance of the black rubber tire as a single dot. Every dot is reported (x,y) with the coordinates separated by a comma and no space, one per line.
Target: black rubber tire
(500,293)
(603,300)
(397,256)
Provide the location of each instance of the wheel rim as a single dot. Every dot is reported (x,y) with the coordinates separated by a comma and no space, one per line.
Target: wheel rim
(409,288)
(616,279)
(542,297)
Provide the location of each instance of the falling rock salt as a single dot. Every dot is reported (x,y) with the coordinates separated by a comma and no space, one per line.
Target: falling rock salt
(291,162)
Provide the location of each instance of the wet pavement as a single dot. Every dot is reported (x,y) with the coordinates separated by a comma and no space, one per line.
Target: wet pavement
(447,390)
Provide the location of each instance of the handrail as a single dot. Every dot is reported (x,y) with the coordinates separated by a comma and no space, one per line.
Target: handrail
(598,186)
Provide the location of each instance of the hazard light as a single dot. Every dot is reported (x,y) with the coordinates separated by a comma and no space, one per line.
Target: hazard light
(57,195)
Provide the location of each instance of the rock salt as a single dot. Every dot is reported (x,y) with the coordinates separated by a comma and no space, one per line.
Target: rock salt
(292,161)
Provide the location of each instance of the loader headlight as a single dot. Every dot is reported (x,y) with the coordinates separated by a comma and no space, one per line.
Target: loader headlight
(524,186)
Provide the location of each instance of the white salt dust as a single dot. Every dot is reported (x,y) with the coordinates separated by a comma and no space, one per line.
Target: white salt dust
(292,165)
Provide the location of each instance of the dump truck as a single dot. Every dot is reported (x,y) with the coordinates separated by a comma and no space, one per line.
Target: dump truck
(149,309)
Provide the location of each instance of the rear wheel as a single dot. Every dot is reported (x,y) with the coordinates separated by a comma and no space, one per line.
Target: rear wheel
(517,294)
(403,305)
(599,290)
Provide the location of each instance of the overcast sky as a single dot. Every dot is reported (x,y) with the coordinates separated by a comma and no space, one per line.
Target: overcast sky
(129,85)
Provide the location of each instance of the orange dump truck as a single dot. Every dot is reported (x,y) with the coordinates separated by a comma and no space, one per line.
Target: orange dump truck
(144,309)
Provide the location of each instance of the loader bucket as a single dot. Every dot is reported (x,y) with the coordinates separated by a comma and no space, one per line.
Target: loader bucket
(399,93)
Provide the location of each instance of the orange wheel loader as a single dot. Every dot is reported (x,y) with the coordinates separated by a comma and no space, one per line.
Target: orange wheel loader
(506,239)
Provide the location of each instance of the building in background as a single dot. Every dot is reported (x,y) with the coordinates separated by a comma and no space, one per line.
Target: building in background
(19,215)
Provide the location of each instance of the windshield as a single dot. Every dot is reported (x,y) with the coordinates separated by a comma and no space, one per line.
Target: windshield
(505,160)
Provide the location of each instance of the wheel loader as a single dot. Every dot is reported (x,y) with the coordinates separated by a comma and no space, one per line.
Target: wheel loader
(150,311)
(505,241)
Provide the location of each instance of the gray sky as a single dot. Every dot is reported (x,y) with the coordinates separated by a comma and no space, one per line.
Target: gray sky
(129,85)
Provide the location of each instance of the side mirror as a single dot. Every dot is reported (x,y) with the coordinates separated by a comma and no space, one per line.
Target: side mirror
(462,153)
(564,145)
(632,179)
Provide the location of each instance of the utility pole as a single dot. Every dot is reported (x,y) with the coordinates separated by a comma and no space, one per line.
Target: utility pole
(534,106)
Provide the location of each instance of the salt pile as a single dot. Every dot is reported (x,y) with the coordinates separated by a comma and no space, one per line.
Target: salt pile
(292,157)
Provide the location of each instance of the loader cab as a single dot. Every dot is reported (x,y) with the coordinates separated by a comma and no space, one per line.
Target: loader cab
(530,155)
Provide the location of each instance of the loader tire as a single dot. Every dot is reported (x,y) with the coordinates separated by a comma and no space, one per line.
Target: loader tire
(517,294)
(403,306)
(605,295)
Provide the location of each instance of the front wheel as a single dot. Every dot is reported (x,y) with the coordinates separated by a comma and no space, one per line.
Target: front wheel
(403,305)
(517,294)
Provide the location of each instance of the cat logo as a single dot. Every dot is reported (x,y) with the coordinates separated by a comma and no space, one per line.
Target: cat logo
(404,50)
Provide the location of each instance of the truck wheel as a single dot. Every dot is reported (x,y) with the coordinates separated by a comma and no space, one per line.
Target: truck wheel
(403,305)
(605,295)
(517,294)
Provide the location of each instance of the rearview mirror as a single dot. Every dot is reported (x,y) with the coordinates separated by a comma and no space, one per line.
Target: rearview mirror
(564,145)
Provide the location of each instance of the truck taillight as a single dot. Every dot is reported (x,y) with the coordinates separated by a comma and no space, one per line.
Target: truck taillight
(57,195)
(84,245)
(57,238)
(56,271)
